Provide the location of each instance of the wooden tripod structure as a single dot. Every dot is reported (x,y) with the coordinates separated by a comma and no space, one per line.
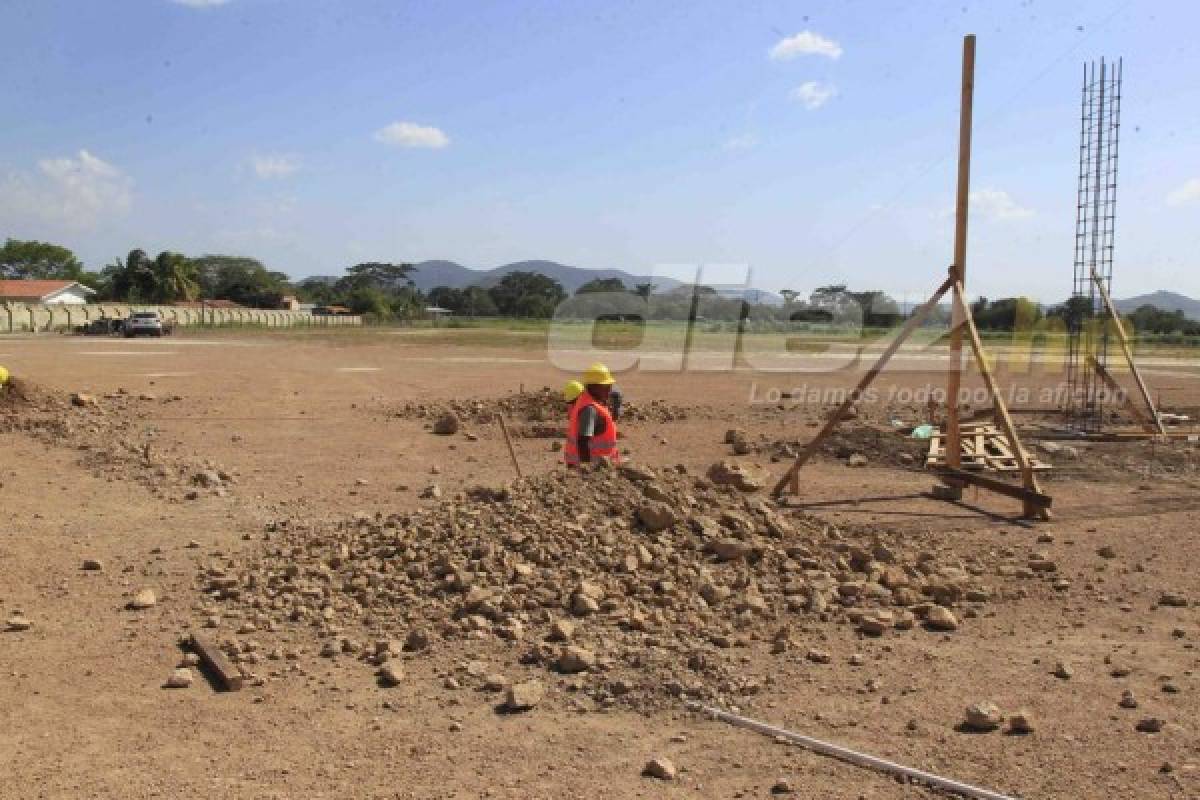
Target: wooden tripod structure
(1034,502)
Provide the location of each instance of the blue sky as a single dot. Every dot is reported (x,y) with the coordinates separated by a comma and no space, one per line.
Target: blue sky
(814,142)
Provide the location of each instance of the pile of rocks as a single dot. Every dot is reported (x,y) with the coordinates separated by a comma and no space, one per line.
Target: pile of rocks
(638,584)
(543,405)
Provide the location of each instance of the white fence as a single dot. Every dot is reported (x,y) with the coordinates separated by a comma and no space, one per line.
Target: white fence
(34,317)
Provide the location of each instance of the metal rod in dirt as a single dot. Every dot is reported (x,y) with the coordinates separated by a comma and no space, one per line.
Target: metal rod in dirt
(511,451)
(851,756)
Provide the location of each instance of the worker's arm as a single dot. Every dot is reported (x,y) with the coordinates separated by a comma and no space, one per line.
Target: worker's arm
(583,438)
(614,403)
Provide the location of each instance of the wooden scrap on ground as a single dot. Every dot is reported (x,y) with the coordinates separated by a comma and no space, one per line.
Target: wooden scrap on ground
(227,675)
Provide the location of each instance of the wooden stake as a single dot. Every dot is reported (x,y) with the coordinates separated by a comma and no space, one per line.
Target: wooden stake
(211,657)
(958,270)
(793,473)
(1028,480)
(1125,348)
(511,452)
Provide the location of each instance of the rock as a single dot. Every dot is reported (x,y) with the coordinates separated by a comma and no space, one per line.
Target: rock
(660,768)
(656,516)
(1021,723)
(582,605)
(1127,699)
(818,656)
(856,460)
(83,400)
(561,630)
(1172,599)
(391,674)
(180,679)
(446,425)
(432,491)
(1150,725)
(416,640)
(741,477)
(734,434)
(524,696)
(18,622)
(575,659)
(494,682)
(940,618)
(1107,551)
(728,549)
(190,660)
(144,599)
(982,717)
(1063,670)
(92,565)
(782,786)
(207,479)
(875,624)
(742,447)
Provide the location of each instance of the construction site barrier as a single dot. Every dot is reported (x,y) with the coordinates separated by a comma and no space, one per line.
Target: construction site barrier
(65,317)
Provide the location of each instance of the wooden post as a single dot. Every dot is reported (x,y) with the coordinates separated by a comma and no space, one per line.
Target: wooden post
(793,473)
(511,452)
(1028,479)
(958,270)
(1125,348)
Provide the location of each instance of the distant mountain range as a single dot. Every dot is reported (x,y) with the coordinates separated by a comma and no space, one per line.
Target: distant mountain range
(429,274)
(1163,300)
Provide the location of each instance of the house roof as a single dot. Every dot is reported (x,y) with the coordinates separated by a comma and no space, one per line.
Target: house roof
(38,289)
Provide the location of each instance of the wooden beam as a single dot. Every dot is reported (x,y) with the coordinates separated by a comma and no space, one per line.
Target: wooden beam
(958,477)
(918,316)
(1116,389)
(1028,480)
(508,441)
(958,269)
(214,661)
(1128,351)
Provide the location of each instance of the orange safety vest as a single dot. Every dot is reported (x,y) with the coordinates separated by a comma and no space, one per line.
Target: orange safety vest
(602,444)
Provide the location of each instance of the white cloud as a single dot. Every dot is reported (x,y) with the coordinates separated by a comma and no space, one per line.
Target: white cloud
(996,205)
(1189,192)
(814,94)
(804,43)
(200,3)
(274,166)
(76,192)
(745,141)
(410,134)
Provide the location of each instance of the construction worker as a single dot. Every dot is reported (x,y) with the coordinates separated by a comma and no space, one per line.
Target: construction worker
(3,376)
(571,392)
(591,428)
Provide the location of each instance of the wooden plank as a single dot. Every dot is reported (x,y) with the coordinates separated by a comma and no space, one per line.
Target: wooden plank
(793,473)
(958,270)
(1115,387)
(508,441)
(954,477)
(227,675)
(1125,348)
(1028,480)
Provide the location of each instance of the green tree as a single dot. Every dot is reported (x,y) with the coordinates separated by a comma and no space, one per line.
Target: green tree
(243,280)
(601,285)
(527,294)
(644,290)
(132,280)
(174,278)
(379,275)
(33,260)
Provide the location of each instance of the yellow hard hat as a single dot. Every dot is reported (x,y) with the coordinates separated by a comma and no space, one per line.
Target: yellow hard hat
(3,376)
(572,390)
(598,374)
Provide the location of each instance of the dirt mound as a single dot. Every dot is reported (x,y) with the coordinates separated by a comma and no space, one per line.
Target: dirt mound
(114,434)
(638,586)
(543,406)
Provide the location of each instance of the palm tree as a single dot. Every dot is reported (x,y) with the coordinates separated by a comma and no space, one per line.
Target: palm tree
(174,278)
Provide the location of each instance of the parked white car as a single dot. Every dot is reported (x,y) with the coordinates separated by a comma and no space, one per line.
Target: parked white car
(146,323)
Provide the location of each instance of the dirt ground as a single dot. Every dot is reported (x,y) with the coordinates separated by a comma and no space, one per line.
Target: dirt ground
(312,428)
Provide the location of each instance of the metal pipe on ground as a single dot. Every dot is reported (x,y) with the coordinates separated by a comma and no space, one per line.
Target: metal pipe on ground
(851,756)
